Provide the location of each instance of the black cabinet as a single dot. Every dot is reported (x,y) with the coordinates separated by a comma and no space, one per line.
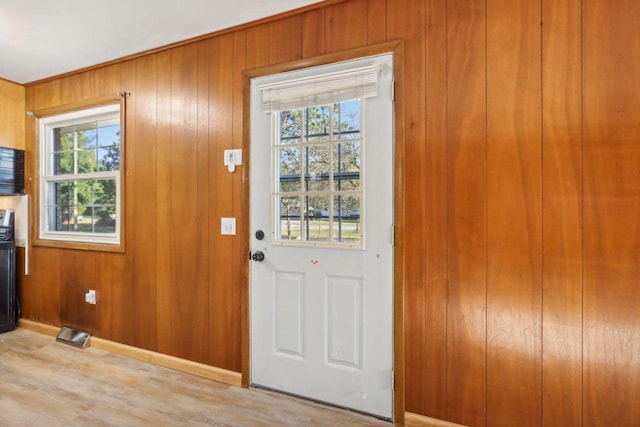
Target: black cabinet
(8,309)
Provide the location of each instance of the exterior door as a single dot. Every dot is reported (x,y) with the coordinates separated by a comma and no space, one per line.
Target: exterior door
(321,291)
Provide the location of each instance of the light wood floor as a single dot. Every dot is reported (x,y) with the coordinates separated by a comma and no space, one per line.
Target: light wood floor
(45,383)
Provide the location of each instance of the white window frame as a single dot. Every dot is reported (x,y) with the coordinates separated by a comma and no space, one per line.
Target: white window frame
(46,176)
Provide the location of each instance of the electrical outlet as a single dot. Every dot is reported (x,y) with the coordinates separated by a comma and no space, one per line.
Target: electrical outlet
(90,297)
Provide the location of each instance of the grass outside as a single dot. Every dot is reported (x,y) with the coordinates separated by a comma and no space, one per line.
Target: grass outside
(318,230)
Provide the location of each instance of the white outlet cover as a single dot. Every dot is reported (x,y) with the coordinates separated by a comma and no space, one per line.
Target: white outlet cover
(228,226)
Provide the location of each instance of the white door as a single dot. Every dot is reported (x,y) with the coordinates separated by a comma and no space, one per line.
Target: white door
(321,291)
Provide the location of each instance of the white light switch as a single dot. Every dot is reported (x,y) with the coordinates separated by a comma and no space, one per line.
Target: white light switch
(228,226)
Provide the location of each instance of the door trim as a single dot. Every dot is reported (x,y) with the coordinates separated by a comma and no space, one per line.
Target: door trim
(395,47)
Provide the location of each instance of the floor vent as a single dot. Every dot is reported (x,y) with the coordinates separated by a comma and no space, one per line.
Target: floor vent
(74,337)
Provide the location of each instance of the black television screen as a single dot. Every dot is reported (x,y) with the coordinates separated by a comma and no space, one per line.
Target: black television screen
(11,171)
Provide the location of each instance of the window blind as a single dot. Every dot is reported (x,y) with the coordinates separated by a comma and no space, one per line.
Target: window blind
(320,89)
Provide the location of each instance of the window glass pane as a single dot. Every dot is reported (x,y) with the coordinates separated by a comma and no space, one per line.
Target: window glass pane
(63,139)
(323,143)
(83,206)
(290,223)
(317,223)
(86,136)
(346,219)
(62,163)
(290,126)
(86,161)
(108,133)
(59,218)
(290,169)
(81,192)
(317,167)
(59,194)
(82,217)
(105,219)
(346,157)
(104,192)
(317,123)
(346,166)
(346,120)
(346,184)
(75,147)
(109,159)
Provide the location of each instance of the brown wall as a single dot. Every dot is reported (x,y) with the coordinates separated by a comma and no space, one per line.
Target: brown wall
(12,113)
(522,202)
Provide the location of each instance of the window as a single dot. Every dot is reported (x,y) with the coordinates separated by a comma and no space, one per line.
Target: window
(80,181)
(318,168)
(318,154)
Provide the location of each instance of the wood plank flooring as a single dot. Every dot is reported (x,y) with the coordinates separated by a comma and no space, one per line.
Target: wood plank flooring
(45,383)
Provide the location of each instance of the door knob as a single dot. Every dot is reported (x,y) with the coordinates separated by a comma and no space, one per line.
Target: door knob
(258,256)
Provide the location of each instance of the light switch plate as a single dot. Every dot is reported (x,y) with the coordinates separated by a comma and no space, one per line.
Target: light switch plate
(228,226)
(234,155)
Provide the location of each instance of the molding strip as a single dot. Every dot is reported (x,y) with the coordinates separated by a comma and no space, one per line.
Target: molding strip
(415,420)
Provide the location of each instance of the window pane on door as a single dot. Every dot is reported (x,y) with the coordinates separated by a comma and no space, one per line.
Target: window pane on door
(289,226)
(317,223)
(317,154)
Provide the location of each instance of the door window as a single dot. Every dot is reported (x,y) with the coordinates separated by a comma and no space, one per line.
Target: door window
(318,155)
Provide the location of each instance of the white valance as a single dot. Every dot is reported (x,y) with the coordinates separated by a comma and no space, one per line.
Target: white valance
(320,89)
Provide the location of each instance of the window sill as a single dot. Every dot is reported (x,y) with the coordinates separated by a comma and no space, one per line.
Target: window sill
(96,247)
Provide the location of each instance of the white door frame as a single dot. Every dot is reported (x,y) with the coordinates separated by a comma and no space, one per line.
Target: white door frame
(396,48)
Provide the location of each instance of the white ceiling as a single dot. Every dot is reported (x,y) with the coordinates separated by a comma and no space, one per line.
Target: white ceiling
(45,38)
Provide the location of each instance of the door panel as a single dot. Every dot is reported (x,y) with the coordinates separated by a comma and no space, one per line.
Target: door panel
(321,298)
(287,310)
(344,317)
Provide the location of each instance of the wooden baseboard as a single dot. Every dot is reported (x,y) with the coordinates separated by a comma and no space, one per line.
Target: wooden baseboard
(200,369)
(415,420)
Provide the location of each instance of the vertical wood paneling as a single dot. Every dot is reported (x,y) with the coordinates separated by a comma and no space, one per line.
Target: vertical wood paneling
(164,267)
(514,213)
(189,303)
(562,214)
(346,25)
(112,296)
(12,115)
(40,293)
(76,280)
(123,307)
(466,209)
(400,19)
(435,184)
(285,38)
(313,33)
(377,21)
(257,49)
(240,240)
(202,189)
(611,66)
(142,202)
(221,310)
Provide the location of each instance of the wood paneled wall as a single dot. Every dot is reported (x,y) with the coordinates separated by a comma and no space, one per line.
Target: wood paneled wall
(522,179)
(12,110)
